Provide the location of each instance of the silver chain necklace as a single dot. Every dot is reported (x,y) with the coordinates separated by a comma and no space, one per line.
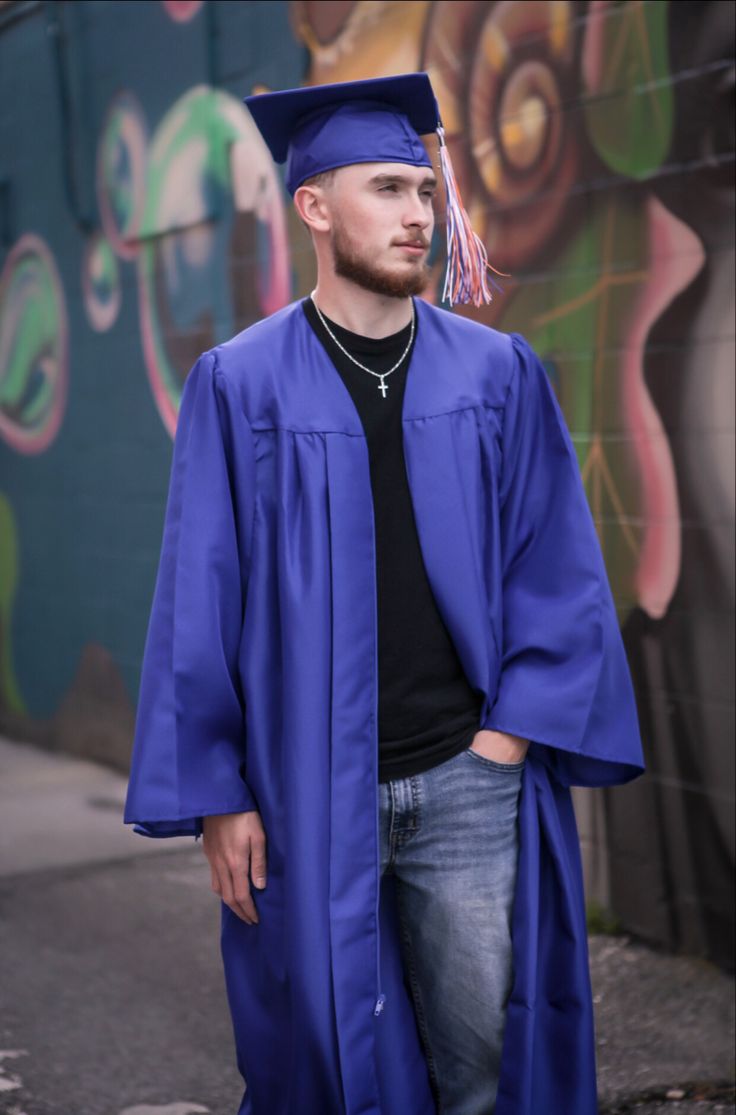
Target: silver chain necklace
(381,375)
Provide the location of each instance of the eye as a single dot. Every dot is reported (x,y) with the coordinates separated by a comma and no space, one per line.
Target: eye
(391,186)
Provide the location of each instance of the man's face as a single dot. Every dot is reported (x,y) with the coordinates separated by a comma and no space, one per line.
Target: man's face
(382,223)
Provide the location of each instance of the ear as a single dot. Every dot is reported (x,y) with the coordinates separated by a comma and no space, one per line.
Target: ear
(311,205)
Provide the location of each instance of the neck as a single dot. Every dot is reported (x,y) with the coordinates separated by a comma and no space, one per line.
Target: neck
(359,310)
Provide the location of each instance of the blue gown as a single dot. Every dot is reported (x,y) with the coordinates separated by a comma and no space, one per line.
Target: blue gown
(259,690)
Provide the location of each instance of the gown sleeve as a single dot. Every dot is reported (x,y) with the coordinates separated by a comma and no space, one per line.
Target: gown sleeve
(564,682)
(188,755)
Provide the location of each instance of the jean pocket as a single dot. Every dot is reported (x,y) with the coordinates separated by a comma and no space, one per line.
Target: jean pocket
(494,764)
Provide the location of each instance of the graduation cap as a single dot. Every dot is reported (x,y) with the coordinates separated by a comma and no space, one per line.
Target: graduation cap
(379,120)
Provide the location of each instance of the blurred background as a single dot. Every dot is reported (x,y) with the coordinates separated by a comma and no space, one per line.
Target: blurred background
(141,222)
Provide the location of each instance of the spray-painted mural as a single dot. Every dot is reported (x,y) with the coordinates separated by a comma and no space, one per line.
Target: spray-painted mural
(594,146)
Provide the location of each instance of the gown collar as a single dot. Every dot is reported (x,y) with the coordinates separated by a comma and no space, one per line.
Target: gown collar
(429,388)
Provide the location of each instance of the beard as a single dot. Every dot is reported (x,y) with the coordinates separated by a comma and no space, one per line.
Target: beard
(361,270)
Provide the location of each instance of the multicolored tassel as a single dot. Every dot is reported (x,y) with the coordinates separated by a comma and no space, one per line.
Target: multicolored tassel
(467,278)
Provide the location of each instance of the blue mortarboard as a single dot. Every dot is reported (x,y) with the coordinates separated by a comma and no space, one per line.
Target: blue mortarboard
(321,127)
(378,120)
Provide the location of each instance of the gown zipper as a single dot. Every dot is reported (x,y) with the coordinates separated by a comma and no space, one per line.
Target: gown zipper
(380,996)
(381,999)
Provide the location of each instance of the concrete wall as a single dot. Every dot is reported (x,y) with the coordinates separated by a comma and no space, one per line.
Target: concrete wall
(141,221)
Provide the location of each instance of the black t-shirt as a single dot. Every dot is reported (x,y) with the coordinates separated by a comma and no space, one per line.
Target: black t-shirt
(427,710)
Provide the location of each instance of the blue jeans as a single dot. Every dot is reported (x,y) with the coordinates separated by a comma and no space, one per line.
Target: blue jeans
(450,836)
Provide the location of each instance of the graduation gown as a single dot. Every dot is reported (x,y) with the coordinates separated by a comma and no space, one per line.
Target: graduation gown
(259,691)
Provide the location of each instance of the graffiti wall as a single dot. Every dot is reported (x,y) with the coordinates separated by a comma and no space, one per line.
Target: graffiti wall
(142,221)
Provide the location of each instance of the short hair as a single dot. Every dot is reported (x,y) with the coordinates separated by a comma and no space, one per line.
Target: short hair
(324,178)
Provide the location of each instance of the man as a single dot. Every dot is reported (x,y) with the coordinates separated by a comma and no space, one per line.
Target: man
(382,647)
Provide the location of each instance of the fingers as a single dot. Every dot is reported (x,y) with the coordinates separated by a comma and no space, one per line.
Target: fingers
(230,881)
(258,860)
(235,845)
(236,891)
(242,901)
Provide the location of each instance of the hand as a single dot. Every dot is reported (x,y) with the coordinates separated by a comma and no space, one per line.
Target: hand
(235,843)
(500,746)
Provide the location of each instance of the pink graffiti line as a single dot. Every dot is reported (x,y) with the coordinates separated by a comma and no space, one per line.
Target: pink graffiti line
(675,256)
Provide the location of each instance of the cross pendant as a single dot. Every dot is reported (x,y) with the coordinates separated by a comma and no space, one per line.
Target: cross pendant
(382,387)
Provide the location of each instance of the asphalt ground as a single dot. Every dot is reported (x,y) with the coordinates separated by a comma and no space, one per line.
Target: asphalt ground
(112,997)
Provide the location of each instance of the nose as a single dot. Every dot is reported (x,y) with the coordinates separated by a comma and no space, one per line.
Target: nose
(418,214)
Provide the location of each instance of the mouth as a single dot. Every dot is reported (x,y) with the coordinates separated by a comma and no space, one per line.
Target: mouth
(413,248)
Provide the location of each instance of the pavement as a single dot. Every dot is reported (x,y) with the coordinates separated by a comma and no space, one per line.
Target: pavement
(112,997)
